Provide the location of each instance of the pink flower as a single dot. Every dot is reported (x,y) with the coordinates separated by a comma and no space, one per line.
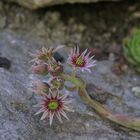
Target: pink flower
(82,60)
(54,106)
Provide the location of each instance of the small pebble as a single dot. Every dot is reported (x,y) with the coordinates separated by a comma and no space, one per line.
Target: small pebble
(5,63)
(136,91)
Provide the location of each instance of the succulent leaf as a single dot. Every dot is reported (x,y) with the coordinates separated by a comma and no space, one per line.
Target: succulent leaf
(132,49)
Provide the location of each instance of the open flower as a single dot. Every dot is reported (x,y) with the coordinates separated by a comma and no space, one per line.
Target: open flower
(54,105)
(81,60)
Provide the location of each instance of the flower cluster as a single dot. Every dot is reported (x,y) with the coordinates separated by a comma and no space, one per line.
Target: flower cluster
(54,101)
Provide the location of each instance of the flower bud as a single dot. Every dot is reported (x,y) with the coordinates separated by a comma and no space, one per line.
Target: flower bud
(40,67)
(55,68)
(41,87)
(57,83)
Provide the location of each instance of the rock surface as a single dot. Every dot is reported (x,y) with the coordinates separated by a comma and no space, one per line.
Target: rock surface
(22,32)
(17,120)
(34,4)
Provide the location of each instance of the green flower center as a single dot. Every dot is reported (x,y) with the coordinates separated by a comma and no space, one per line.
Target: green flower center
(53,104)
(79,61)
(54,66)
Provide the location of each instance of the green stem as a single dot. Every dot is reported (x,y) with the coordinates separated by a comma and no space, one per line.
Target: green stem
(74,88)
(126,121)
(74,72)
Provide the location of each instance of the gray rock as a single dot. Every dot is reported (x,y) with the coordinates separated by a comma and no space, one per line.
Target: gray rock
(34,4)
(24,33)
(17,119)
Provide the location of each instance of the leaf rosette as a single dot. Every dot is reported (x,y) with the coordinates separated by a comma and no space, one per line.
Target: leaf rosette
(132,49)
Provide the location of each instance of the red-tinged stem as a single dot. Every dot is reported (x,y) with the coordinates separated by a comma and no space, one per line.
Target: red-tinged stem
(126,121)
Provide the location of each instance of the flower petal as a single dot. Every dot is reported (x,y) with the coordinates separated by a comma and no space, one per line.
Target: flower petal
(59,117)
(64,114)
(51,115)
(44,115)
(40,111)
